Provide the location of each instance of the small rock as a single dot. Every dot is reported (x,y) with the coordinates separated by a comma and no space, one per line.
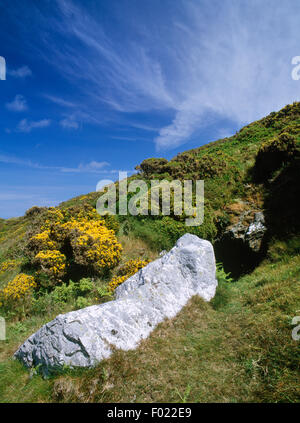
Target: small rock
(252,235)
(256,232)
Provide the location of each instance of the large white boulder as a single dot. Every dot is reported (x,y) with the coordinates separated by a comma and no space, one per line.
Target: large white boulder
(158,291)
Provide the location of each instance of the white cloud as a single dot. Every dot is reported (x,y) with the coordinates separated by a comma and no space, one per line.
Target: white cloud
(91,167)
(69,123)
(60,101)
(15,160)
(18,104)
(125,79)
(234,64)
(27,126)
(21,72)
(190,61)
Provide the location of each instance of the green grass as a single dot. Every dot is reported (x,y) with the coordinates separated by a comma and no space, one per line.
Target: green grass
(238,348)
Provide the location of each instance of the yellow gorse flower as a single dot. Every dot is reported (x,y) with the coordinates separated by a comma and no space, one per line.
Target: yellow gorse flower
(18,288)
(7,265)
(93,243)
(90,243)
(128,269)
(43,240)
(52,262)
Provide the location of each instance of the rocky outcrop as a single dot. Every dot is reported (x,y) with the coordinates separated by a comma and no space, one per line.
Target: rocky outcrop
(241,246)
(251,235)
(158,291)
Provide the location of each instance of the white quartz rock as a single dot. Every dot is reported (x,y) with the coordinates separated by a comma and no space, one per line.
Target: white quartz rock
(158,291)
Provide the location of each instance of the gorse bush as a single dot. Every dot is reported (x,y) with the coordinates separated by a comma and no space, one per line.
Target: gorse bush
(69,241)
(128,269)
(206,166)
(18,288)
(17,295)
(52,263)
(40,242)
(93,245)
(153,165)
(111,222)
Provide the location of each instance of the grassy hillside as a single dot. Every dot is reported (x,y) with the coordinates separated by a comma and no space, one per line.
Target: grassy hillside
(236,348)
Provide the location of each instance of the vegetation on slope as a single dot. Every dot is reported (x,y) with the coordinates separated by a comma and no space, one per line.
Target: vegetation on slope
(238,347)
(232,171)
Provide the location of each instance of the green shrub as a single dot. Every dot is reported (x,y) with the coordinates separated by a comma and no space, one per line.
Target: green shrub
(221,275)
(161,233)
(153,165)
(222,295)
(111,222)
(82,302)
(85,286)
(42,304)
(103,291)
(64,293)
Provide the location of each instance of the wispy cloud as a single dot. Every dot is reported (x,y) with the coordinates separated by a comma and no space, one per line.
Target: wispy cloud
(143,127)
(232,65)
(21,72)
(121,138)
(237,63)
(69,123)
(91,167)
(126,80)
(15,160)
(196,61)
(60,101)
(18,104)
(27,125)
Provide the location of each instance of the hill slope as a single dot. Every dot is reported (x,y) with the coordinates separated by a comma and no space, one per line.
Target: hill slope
(238,347)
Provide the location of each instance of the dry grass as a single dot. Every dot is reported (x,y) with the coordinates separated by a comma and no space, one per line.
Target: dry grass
(242,352)
(185,354)
(134,248)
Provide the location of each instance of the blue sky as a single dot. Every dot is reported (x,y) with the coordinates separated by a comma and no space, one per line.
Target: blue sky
(94,87)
